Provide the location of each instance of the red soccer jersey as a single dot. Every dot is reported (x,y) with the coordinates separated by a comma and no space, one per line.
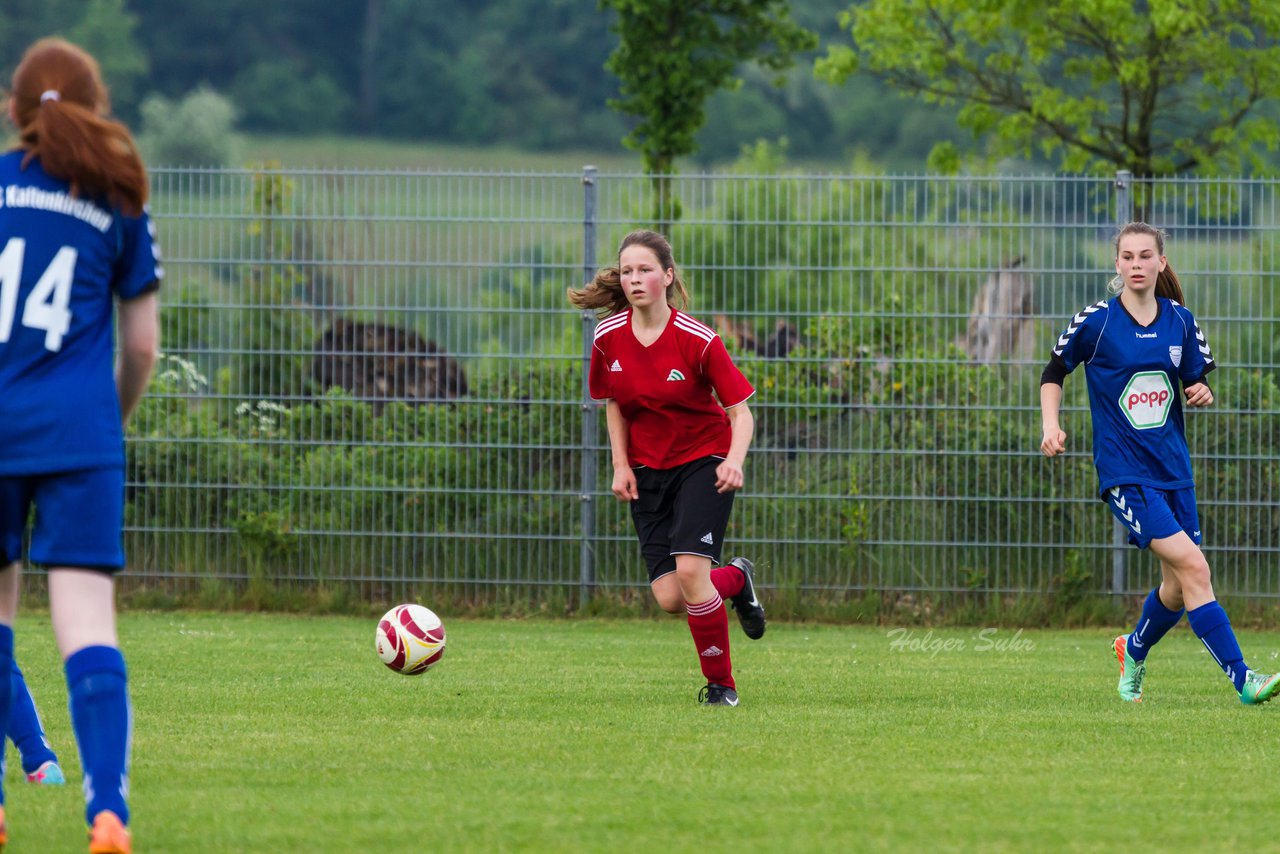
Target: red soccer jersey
(664,391)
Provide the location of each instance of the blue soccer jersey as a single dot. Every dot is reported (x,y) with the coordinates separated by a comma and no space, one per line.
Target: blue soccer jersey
(63,262)
(1135,374)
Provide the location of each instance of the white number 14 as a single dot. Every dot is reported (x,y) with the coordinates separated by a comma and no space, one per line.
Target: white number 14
(46,306)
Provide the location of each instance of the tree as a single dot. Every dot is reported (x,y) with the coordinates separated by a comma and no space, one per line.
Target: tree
(108,30)
(1159,87)
(672,55)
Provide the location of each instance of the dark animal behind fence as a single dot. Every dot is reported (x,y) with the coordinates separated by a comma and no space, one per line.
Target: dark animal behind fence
(378,363)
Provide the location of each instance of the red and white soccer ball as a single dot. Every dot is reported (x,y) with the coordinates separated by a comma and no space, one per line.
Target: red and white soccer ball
(410,639)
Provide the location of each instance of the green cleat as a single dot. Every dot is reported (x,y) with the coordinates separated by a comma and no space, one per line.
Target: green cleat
(1131,672)
(1259,688)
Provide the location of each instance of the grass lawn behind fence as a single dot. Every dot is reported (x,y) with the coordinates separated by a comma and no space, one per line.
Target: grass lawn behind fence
(262,733)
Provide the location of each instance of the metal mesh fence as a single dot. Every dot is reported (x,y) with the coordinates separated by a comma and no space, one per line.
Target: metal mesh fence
(375,377)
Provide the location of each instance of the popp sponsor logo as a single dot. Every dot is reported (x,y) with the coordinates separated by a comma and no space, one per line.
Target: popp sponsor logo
(1146,399)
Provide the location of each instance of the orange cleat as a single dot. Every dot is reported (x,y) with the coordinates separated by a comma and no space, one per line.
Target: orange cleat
(108,835)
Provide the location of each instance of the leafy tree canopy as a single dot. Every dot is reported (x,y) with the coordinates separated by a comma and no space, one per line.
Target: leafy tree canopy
(1158,87)
(672,55)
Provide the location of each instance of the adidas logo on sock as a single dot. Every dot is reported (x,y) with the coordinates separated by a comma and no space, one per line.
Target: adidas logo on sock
(712,652)
(708,539)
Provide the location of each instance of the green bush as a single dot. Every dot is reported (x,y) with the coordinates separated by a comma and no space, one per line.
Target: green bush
(193,131)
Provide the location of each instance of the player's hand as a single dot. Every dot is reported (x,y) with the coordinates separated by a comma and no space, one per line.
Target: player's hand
(1198,395)
(624,484)
(728,476)
(1053,443)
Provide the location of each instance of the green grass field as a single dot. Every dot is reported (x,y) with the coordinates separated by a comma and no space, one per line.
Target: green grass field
(269,733)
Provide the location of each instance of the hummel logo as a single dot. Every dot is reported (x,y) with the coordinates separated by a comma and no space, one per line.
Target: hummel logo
(708,539)
(615,367)
(712,652)
(674,376)
(1127,514)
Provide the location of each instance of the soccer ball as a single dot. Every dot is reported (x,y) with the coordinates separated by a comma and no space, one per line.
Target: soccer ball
(410,639)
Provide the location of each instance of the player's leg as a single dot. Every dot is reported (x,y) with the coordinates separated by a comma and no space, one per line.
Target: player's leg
(1182,556)
(709,626)
(699,518)
(8,610)
(83,551)
(82,607)
(1208,619)
(25,730)
(1161,611)
(1149,516)
(1156,619)
(666,590)
(15,503)
(651,515)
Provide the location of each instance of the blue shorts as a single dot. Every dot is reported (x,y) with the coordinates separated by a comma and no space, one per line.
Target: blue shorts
(1153,514)
(79,518)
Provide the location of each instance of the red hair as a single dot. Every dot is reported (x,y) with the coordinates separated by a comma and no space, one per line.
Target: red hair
(61,107)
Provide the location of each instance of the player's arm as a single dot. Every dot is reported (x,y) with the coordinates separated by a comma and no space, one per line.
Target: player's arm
(1195,385)
(1053,440)
(624,479)
(742,425)
(139,323)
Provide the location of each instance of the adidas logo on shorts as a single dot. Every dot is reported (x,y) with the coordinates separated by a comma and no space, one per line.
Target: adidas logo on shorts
(616,367)
(708,539)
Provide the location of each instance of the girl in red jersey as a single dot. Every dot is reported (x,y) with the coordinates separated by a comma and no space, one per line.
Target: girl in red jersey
(679,429)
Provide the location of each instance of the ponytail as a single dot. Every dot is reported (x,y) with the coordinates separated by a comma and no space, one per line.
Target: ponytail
(1168,286)
(605,293)
(61,106)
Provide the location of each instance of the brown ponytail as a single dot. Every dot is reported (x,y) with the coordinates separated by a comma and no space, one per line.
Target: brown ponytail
(604,292)
(61,106)
(1168,286)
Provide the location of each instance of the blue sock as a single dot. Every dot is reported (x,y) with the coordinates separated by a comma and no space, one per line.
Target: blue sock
(102,720)
(24,728)
(1211,625)
(1155,622)
(6,666)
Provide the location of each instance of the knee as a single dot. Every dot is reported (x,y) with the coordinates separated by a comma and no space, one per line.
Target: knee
(690,574)
(1194,573)
(671,604)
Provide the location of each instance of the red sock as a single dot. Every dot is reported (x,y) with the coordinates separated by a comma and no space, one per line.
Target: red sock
(709,625)
(728,580)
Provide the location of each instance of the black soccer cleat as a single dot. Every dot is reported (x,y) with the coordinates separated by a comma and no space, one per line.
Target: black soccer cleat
(717,695)
(746,603)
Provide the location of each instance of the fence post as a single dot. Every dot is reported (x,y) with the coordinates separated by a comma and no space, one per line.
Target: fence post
(587,558)
(1119,534)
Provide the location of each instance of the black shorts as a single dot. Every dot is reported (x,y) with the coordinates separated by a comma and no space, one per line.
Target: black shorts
(680,512)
